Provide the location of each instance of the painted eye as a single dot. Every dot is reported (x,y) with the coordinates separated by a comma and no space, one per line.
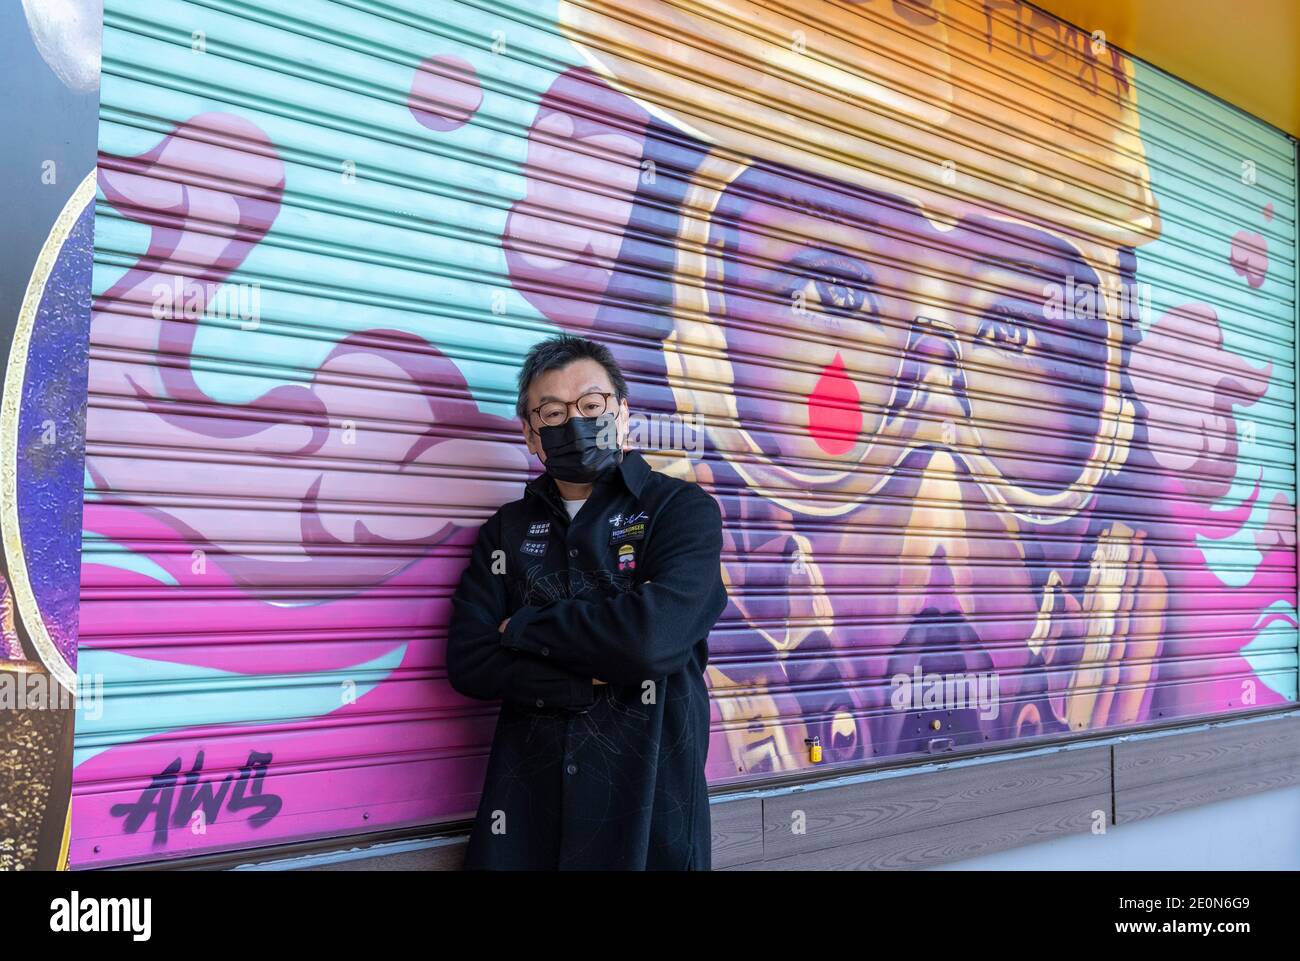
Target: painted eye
(839,294)
(1007,329)
(834,284)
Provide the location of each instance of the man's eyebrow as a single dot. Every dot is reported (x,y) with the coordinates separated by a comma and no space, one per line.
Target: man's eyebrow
(590,388)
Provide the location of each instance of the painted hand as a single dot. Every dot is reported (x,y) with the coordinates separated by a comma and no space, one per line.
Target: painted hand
(1102,652)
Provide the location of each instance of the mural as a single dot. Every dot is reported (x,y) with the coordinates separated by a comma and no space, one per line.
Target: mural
(1013,422)
(949,451)
(48,111)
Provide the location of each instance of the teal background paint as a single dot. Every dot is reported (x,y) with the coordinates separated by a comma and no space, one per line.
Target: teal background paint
(400,170)
(1193,145)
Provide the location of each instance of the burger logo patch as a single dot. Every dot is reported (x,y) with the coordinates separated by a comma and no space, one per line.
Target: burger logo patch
(627,558)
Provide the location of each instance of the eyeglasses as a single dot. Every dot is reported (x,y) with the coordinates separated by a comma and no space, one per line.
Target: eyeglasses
(554,413)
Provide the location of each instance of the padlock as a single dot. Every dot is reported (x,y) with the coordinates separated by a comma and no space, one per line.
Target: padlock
(814,749)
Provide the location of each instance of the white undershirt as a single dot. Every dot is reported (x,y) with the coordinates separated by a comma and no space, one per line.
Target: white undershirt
(573,507)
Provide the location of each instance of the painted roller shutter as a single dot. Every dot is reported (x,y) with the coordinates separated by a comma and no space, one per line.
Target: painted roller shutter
(989,334)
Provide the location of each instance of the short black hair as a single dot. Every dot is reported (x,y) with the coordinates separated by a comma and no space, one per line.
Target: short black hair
(561,351)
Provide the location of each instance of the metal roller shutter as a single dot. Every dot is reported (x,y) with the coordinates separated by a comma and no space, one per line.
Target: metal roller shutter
(982,334)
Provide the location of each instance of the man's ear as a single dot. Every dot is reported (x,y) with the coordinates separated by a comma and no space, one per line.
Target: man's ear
(530,438)
(624,420)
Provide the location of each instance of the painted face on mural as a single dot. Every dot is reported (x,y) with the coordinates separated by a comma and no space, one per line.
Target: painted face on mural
(948,391)
(905,336)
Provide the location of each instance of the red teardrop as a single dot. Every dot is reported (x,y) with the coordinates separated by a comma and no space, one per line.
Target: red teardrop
(835,409)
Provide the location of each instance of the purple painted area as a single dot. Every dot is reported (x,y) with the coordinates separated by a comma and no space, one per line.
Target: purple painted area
(445,93)
(51,437)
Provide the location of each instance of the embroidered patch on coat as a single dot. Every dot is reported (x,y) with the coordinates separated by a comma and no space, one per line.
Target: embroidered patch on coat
(631,532)
(627,558)
(540,529)
(536,548)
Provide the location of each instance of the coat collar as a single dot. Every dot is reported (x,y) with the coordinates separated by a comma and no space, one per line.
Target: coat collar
(634,471)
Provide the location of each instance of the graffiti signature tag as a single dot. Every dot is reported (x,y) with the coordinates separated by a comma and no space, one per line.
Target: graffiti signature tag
(157,799)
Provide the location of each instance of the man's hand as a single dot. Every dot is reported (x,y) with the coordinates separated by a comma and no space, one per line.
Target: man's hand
(502,630)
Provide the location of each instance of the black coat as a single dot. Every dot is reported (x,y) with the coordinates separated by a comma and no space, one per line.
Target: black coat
(586,776)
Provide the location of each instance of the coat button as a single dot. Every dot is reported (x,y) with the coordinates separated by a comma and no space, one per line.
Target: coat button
(572,769)
(573,552)
(541,703)
(546,651)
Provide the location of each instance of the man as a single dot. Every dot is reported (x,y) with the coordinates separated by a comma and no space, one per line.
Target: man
(586,609)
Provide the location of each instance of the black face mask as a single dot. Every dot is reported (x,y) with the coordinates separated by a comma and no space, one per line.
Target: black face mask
(573,453)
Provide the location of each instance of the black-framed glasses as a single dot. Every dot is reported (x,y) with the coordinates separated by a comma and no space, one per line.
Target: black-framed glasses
(554,413)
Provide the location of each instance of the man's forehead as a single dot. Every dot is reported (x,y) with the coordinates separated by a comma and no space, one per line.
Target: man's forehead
(579,375)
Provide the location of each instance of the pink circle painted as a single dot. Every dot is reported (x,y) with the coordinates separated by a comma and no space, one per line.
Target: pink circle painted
(445,93)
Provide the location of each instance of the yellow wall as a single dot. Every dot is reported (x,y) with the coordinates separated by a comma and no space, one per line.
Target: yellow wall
(1243,51)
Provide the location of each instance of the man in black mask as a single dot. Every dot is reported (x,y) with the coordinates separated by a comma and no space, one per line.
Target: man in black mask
(585,610)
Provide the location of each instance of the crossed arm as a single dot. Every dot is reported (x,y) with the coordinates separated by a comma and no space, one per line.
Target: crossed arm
(478,665)
(648,632)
